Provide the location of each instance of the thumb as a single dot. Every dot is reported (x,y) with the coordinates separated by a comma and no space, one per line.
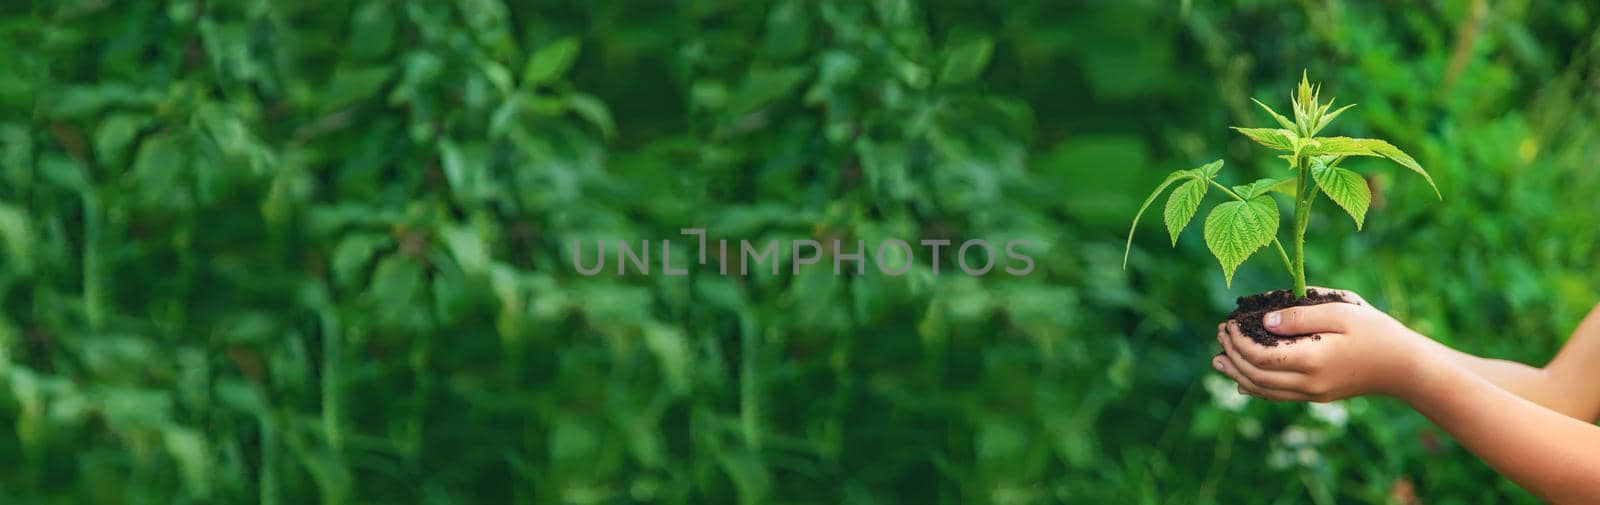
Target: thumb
(1324,318)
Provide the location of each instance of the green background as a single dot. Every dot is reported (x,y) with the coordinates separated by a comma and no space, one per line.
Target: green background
(301,251)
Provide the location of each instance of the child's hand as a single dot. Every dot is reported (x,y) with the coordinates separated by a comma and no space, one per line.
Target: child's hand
(1361,351)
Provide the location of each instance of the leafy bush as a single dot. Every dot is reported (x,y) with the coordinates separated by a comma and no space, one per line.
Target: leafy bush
(286,252)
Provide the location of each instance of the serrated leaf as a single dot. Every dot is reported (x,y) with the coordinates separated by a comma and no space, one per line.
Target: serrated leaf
(1202,174)
(1257,188)
(1394,154)
(1235,230)
(1182,205)
(1346,146)
(1276,138)
(1282,121)
(1345,187)
(1171,178)
(1338,146)
(550,61)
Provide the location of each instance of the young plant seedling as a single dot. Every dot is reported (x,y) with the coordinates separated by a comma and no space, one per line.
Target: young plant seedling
(1248,221)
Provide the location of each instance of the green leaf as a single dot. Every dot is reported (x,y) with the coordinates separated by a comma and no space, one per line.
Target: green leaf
(1285,186)
(1282,121)
(550,61)
(1235,230)
(468,247)
(1339,146)
(1346,146)
(1305,104)
(353,253)
(764,86)
(1201,177)
(1182,205)
(594,111)
(966,61)
(162,171)
(1328,118)
(1300,146)
(1174,177)
(1394,154)
(498,75)
(353,84)
(1345,187)
(1276,138)
(116,134)
(16,232)
(188,448)
(372,27)
(1257,188)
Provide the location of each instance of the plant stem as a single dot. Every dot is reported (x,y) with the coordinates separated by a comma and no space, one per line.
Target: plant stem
(1287,264)
(1299,271)
(1302,213)
(1226,190)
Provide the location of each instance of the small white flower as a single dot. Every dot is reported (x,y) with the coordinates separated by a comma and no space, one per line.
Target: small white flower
(1279,459)
(1307,456)
(1225,394)
(1333,413)
(1249,428)
(1295,436)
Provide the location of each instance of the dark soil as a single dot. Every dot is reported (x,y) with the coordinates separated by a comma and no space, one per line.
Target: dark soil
(1252,307)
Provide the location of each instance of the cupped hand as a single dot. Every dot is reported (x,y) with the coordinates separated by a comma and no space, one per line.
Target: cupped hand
(1359,351)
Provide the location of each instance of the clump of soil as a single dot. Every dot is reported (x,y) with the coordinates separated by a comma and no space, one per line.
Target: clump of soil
(1251,308)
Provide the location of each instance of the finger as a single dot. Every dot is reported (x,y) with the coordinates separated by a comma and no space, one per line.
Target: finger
(1224,365)
(1246,387)
(1236,344)
(1249,374)
(1349,296)
(1267,367)
(1275,394)
(1324,318)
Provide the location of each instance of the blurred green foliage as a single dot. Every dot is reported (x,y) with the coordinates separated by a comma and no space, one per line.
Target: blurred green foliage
(288,252)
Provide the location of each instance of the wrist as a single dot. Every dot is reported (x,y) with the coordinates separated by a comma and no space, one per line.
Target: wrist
(1423,369)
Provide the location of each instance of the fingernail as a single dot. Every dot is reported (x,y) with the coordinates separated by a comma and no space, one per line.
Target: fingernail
(1242,391)
(1217,364)
(1272,319)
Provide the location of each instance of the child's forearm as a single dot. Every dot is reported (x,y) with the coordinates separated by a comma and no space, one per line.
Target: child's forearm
(1577,367)
(1533,384)
(1566,385)
(1550,454)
